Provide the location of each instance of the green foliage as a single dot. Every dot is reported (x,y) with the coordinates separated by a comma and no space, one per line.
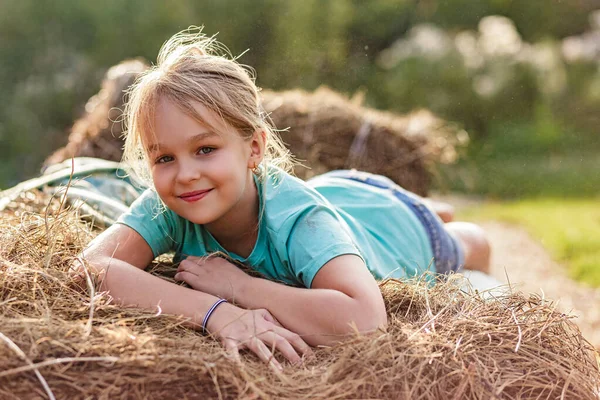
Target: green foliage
(569,229)
(536,19)
(542,156)
(528,109)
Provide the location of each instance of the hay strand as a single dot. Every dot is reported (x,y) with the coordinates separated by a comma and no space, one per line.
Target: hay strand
(31,365)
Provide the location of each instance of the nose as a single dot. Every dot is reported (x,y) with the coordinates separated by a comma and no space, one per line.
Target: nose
(188,172)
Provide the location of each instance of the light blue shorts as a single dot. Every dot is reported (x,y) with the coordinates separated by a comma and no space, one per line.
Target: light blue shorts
(447,252)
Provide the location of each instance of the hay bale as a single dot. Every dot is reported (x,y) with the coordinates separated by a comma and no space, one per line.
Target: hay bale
(441,342)
(328,131)
(98,133)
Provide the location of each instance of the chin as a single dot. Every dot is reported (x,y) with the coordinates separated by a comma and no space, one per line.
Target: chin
(199,215)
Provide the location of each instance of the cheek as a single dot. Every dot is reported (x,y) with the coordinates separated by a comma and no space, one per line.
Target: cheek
(155,177)
(227,166)
(160,180)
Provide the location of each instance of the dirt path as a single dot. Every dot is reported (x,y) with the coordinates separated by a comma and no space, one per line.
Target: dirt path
(531,270)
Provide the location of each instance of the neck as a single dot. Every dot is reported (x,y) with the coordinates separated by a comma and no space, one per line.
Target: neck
(237,230)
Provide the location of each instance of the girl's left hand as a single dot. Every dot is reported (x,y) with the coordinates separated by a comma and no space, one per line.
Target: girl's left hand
(213,275)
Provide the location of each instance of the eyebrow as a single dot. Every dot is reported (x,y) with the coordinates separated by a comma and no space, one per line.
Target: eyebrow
(196,138)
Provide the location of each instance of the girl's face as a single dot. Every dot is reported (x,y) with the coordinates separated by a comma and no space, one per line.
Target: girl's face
(203,176)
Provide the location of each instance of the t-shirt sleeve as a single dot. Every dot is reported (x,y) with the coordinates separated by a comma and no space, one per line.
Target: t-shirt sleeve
(148,217)
(316,236)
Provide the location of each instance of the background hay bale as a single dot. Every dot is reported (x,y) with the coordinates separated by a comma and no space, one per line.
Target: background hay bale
(326,132)
(98,133)
(441,342)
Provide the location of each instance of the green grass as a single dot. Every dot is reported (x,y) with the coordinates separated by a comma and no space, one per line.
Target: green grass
(535,158)
(521,176)
(568,228)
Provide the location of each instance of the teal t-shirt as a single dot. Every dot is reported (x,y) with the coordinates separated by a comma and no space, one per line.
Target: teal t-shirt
(303,225)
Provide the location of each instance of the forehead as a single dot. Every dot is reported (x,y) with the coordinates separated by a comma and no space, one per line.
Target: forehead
(173,113)
(172,122)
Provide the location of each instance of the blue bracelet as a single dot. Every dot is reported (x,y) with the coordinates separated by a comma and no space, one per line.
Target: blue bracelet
(209,312)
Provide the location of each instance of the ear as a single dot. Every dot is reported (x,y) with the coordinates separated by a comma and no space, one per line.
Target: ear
(257,148)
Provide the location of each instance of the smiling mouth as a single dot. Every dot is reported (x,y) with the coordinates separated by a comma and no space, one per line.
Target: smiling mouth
(194,196)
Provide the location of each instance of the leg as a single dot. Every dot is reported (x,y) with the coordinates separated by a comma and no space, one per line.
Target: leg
(475,244)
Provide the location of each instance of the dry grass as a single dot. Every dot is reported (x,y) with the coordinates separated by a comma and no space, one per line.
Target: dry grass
(330,131)
(63,341)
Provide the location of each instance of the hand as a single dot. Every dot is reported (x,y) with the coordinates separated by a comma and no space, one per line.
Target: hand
(258,331)
(213,275)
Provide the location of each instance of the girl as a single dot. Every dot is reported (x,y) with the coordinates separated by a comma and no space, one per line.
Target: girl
(218,183)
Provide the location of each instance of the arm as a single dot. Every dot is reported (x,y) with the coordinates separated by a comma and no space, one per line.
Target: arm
(118,256)
(124,253)
(343,294)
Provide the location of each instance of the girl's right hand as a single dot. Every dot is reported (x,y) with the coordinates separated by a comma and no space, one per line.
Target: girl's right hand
(257,331)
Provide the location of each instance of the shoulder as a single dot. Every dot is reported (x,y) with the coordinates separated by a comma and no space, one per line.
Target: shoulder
(293,208)
(284,195)
(158,225)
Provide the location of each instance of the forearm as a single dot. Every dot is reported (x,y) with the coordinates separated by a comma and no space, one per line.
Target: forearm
(235,327)
(320,316)
(132,286)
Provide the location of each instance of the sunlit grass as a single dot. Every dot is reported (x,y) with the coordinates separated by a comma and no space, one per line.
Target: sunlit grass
(569,229)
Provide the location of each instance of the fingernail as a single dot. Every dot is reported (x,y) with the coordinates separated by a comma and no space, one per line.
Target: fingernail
(176,276)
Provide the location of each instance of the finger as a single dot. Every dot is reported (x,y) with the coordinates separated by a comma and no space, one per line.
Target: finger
(256,346)
(269,317)
(188,278)
(232,349)
(292,337)
(262,351)
(188,266)
(294,340)
(282,345)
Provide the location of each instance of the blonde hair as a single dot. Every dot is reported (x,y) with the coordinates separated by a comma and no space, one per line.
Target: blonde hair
(193,68)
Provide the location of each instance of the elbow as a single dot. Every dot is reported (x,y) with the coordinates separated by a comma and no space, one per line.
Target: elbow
(91,264)
(382,322)
(362,317)
(85,270)
(373,317)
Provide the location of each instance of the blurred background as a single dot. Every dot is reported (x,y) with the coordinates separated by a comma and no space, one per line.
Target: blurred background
(521,77)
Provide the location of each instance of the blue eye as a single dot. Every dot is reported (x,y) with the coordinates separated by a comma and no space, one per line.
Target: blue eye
(205,150)
(164,159)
